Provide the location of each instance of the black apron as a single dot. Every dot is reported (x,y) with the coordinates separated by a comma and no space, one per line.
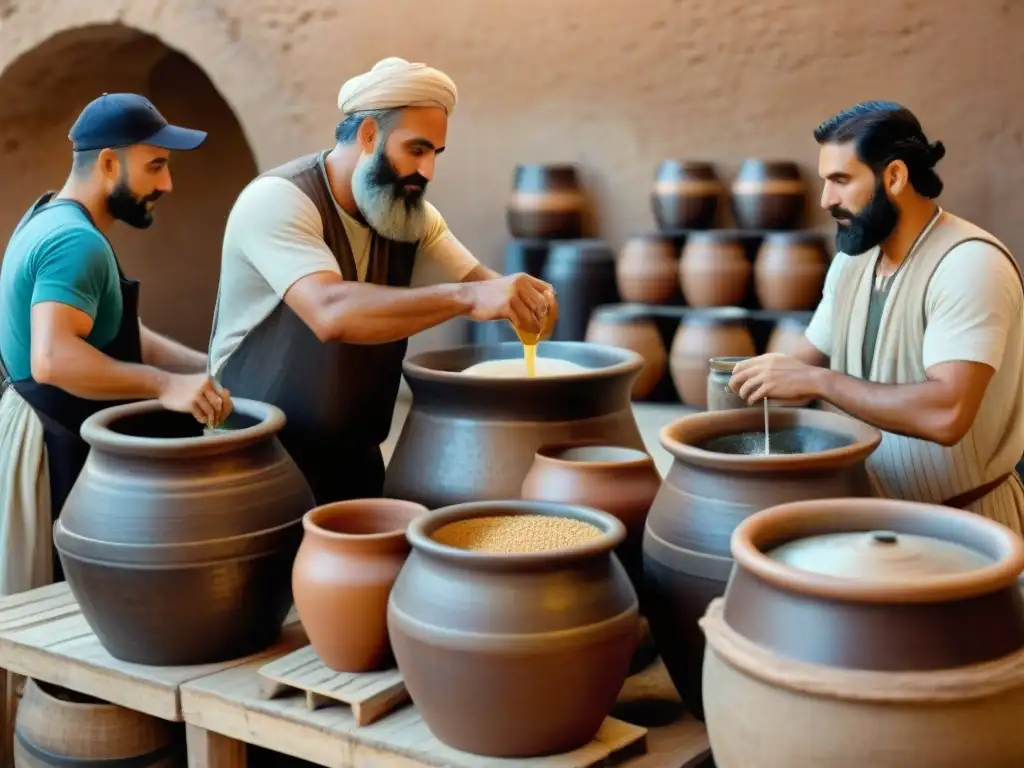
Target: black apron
(338,399)
(62,413)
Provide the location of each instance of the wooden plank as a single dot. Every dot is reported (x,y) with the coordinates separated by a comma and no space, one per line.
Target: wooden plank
(370,695)
(211,750)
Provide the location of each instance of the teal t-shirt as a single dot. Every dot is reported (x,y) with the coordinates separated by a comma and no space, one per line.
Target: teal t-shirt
(58,255)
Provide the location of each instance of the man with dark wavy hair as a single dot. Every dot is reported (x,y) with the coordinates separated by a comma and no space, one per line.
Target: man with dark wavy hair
(919,327)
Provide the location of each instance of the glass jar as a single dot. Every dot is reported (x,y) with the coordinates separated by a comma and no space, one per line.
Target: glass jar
(720,397)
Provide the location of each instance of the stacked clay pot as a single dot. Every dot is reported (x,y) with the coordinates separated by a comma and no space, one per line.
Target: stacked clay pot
(787,335)
(495,663)
(686,195)
(178,546)
(789,272)
(582,272)
(867,632)
(700,337)
(708,492)
(629,328)
(547,202)
(647,270)
(768,194)
(714,270)
(350,556)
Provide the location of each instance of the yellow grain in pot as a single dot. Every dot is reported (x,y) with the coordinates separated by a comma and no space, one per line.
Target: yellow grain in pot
(507,534)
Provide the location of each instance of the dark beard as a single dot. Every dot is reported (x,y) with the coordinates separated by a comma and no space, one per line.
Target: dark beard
(125,206)
(871,227)
(383,175)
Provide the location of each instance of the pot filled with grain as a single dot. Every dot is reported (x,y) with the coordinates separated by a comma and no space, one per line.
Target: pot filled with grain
(514,623)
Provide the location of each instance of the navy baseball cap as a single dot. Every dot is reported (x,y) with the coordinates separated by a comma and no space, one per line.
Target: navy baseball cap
(122,119)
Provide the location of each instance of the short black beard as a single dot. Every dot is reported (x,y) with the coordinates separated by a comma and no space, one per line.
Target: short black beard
(125,206)
(383,175)
(869,228)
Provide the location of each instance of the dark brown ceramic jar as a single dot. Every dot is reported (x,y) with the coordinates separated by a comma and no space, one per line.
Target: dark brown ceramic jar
(708,492)
(470,438)
(514,655)
(846,617)
(632,328)
(547,202)
(701,336)
(177,545)
(714,270)
(582,272)
(788,334)
(686,195)
(647,270)
(350,556)
(789,271)
(768,194)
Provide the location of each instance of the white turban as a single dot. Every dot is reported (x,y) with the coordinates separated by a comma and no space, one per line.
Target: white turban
(395,82)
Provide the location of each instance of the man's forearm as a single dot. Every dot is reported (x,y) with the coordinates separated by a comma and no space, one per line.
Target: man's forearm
(82,370)
(169,355)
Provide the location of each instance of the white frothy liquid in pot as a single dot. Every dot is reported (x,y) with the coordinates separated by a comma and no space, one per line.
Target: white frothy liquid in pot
(516,368)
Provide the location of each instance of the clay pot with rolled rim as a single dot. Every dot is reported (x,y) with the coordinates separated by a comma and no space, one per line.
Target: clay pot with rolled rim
(714,270)
(547,202)
(852,617)
(620,481)
(514,655)
(470,438)
(701,336)
(706,494)
(768,194)
(788,334)
(179,546)
(582,272)
(686,195)
(350,556)
(631,328)
(789,271)
(647,270)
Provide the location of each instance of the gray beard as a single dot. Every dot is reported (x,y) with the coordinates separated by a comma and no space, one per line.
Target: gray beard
(389,216)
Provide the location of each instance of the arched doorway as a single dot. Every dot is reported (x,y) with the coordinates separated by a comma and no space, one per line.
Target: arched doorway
(178,258)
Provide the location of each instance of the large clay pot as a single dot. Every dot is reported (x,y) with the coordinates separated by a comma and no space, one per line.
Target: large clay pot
(714,270)
(547,202)
(620,481)
(789,271)
(177,545)
(582,272)
(867,632)
(514,655)
(58,728)
(707,493)
(470,438)
(768,194)
(700,337)
(788,335)
(350,557)
(648,269)
(686,195)
(631,328)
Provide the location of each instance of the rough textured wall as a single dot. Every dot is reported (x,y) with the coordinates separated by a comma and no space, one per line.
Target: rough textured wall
(615,86)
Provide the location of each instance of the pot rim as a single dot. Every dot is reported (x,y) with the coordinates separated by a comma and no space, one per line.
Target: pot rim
(420,530)
(677,438)
(97,432)
(641,459)
(776,525)
(313,519)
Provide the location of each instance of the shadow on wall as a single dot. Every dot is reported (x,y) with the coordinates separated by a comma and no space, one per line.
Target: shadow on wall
(177,259)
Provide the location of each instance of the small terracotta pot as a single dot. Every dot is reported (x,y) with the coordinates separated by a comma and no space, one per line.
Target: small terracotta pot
(714,270)
(768,194)
(627,328)
(547,202)
(686,195)
(350,556)
(702,336)
(789,271)
(787,335)
(647,270)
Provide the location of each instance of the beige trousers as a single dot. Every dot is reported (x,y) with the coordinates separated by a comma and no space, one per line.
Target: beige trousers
(26,530)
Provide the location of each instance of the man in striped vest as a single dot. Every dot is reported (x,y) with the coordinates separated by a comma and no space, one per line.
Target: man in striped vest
(919,327)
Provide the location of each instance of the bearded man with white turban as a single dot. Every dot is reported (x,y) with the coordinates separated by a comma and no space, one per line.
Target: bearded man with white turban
(332,261)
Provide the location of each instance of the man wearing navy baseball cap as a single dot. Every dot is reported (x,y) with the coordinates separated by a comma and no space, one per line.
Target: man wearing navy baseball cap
(72,342)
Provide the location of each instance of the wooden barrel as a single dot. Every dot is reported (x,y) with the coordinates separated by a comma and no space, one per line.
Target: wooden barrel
(686,195)
(582,272)
(627,327)
(701,336)
(547,202)
(57,728)
(647,270)
(768,194)
(714,270)
(789,271)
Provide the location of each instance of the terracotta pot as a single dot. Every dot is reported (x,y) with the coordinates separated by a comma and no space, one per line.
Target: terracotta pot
(768,194)
(350,557)
(648,269)
(700,337)
(547,202)
(582,272)
(619,326)
(514,655)
(470,438)
(620,481)
(714,270)
(847,617)
(686,195)
(706,494)
(178,546)
(789,272)
(788,335)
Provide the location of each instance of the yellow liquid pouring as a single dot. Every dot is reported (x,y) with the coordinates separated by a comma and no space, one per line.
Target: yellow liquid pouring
(529,341)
